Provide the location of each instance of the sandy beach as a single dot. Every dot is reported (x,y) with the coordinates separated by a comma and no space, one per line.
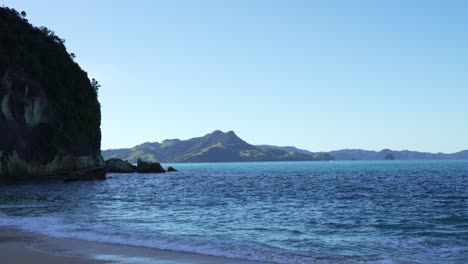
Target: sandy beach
(18,246)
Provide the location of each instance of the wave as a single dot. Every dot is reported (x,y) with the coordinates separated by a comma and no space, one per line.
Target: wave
(57,227)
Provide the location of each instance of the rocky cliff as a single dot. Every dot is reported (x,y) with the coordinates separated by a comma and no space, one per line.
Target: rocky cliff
(49,113)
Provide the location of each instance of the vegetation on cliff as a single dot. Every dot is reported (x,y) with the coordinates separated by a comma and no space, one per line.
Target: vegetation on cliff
(50,116)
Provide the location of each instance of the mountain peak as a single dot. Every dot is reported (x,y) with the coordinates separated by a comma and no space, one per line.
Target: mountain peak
(216,132)
(219,136)
(221,132)
(229,134)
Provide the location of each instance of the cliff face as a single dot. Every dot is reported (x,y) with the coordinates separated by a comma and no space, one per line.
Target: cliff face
(49,113)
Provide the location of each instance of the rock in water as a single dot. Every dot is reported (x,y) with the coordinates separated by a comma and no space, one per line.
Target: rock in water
(149,167)
(120,166)
(170,168)
(49,113)
(86,175)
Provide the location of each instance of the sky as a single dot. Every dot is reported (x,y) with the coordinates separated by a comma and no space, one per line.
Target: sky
(319,75)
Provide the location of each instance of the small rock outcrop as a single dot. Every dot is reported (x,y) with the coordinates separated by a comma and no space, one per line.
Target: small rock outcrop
(86,175)
(170,168)
(120,166)
(149,167)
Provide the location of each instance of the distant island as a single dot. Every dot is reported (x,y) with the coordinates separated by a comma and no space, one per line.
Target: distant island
(214,147)
(388,154)
(219,146)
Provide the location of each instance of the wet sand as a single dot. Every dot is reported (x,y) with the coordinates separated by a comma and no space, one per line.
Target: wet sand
(17,246)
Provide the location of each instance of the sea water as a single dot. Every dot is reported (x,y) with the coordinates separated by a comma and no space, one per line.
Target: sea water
(281,212)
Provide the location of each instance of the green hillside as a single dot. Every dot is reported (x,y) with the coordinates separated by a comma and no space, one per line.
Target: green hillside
(214,147)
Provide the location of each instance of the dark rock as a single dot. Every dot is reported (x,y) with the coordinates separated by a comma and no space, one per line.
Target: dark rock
(50,116)
(120,166)
(170,169)
(86,175)
(389,157)
(149,167)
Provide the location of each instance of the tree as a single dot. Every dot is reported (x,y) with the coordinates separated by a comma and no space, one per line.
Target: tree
(95,84)
(46,31)
(23,14)
(72,55)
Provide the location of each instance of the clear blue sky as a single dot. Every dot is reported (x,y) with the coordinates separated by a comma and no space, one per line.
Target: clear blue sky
(319,75)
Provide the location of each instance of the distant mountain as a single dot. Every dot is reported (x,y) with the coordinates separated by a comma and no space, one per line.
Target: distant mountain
(359,154)
(288,148)
(214,147)
(219,146)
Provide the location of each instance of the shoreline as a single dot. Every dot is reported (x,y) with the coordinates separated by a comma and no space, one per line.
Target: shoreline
(19,246)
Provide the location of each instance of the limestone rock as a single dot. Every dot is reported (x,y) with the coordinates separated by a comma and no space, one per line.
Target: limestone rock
(50,116)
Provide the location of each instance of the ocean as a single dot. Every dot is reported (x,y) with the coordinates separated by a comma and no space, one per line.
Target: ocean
(280,212)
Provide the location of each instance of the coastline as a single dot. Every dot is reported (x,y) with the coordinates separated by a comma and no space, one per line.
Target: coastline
(16,246)
(19,246)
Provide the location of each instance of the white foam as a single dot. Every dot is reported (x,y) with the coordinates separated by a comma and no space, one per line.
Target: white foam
(56,227)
